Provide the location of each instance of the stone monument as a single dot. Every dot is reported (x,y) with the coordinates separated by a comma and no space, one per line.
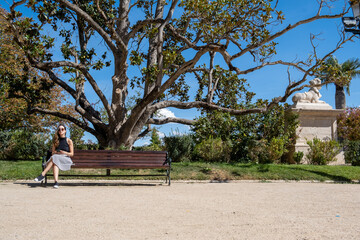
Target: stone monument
(317,119)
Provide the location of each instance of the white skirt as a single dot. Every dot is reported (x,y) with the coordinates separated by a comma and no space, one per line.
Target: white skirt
(63,162)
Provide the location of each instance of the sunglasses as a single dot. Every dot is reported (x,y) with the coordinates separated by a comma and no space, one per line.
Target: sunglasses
(61,129)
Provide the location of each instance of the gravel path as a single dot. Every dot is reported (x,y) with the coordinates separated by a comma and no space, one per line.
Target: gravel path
(146,210)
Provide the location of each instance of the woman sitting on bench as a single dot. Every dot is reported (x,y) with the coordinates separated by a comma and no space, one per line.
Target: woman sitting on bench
(62,150)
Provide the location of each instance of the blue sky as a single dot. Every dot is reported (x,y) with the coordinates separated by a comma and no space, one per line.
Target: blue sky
(271,81)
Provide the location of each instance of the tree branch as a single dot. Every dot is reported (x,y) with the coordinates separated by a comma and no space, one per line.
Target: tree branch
(170,120)
(140,24)
(145,132)
(204,105)
(279,62)
(96,26)
(282,32)
(82,68)
(63,116)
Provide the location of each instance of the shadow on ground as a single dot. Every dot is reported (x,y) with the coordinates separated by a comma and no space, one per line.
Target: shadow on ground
(88,184)
(332,177)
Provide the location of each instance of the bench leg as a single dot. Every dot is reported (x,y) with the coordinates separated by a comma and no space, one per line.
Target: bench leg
(168,176)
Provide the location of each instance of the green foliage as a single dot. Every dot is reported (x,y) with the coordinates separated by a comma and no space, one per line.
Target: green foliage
(238,19)
(298,156)
(256,137)
(348,124)
(76,133)
(352,152)
(22,145)
(231,91)
(276,148)
(264,151)
(179,147)
(339,73)
(89,145)
(322,152)
(214,150)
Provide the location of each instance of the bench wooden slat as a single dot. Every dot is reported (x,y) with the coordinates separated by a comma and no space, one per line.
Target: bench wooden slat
(119,158)
(119,161)
(120,164)
(123,167)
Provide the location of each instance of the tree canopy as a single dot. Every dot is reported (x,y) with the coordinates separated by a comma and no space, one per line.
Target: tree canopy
(23,86)
(168,41)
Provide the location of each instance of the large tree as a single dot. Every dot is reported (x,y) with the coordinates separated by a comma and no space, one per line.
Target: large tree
(169,41)
(341,74)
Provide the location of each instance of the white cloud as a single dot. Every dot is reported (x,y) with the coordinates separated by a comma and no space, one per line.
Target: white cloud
(164,113)
(161,134)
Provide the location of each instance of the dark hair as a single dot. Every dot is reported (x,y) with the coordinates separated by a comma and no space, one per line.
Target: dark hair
(57,135)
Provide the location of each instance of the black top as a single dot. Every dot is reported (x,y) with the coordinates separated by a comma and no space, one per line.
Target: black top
(63,145)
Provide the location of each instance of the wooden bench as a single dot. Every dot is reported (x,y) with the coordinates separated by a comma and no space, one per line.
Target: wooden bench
(110,159)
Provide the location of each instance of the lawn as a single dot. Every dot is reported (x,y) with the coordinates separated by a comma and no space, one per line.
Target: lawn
(13,170)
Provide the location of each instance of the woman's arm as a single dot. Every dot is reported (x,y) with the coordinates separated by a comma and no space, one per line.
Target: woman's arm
(71,146)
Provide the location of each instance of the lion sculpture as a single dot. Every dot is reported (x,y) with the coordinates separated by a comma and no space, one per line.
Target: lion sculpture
(312,96)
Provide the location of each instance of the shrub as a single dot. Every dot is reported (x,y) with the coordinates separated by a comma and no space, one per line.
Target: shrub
(22,145)
(298,156)
(322,152)
(352,152)
(257,151)
(348,124)
(276,148)
(214,150)
(264,152)
(179,147)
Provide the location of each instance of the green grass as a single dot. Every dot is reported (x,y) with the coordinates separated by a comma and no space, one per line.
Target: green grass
(13,170)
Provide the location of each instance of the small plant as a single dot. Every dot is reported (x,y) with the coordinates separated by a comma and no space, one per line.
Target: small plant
(298,156)
(322,152)
(352,152)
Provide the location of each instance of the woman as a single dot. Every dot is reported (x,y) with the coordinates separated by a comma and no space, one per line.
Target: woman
(62,150)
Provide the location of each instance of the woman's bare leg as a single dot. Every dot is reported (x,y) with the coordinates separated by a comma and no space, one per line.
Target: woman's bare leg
(48,167)
(56,173)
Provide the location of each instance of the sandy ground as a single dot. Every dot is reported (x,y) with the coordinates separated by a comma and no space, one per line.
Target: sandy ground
(149,210)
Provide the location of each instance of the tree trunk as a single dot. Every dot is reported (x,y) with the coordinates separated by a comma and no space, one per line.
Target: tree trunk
(340,99)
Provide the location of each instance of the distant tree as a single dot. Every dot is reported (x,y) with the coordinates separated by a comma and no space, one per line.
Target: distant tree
(341,75)
(155,139)
(168,48)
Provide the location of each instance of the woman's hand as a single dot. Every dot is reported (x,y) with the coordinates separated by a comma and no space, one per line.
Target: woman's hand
(61,152)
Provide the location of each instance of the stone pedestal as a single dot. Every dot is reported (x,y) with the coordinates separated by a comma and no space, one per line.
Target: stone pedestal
(316,120)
